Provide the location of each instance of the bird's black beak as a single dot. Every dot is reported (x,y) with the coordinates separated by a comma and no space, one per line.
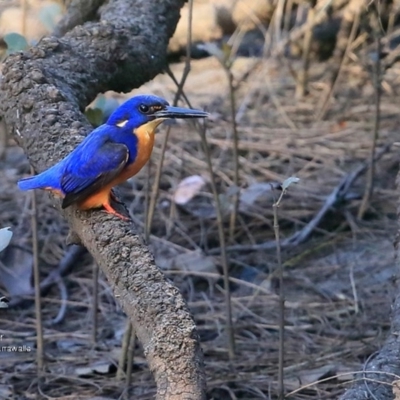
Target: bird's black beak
(179,112)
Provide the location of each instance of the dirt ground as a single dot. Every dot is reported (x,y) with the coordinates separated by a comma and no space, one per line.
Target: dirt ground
(337,284)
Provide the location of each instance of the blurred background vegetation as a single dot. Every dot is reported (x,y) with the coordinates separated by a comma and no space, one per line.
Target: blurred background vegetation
(306,89)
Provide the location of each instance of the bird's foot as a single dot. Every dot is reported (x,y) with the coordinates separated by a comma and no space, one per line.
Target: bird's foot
(110,210)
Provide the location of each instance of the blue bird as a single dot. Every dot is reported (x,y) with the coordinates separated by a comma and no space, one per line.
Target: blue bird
(109,155)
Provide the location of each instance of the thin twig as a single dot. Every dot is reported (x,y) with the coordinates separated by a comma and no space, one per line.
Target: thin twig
(287,15)
(221,234)
(154,194)
(278,19)
(64,298)
(370,358)
(24,7)
(354,289)
(185,74)
(124,350)
(147,226)
(338,71)
(302,76)
(369,187)
(235,148)
(36,277)
(281,321)
(130,359)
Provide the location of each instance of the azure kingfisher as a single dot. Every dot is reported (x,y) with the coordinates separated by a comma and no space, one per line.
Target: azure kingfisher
(109,155)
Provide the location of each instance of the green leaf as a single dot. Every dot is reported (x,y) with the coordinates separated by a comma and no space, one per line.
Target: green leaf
(49,15)
(106,104)
(95,116)
(15,42)
(5,237)
(287,182)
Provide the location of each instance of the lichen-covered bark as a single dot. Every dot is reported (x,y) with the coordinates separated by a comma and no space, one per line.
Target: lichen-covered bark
(383,368)
(42,94)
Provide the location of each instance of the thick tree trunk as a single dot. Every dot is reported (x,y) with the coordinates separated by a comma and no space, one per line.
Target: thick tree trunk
(43,92)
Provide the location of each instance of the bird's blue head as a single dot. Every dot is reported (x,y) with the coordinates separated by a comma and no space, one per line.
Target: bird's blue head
(147,111)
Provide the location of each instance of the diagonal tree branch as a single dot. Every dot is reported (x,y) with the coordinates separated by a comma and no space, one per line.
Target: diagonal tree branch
(42,94)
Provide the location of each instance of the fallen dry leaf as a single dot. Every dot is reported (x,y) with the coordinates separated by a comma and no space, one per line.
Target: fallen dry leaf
(6,392)
(256,190)
(98,368)
(310,376)
(187,189)
(194,261)
(5,237)
(16,271)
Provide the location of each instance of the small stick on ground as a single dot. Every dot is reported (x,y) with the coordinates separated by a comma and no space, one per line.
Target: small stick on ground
(36,277)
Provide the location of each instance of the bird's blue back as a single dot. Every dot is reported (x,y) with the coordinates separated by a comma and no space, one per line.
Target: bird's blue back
(82,155)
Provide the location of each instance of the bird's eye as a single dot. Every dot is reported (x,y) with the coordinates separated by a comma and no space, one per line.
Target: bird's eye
(144,109)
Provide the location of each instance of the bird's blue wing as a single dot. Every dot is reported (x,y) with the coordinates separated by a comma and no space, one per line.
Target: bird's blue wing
(93,166)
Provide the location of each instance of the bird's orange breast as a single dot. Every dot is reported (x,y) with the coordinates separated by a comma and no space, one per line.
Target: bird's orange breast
(145,143)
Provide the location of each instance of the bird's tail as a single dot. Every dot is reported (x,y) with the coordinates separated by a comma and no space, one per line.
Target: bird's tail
(47,179)
(30,183)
